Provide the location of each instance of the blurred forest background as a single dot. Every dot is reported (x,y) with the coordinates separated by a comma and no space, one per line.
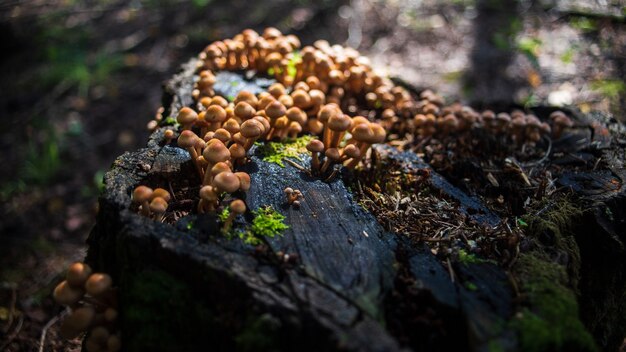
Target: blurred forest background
(79,80)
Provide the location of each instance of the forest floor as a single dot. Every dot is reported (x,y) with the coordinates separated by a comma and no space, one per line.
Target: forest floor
(80,83)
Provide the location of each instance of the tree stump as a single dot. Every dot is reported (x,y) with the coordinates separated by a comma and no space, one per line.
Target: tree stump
(340,281)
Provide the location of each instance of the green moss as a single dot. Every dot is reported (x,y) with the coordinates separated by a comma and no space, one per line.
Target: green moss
(551,321)
(554,222)
(276,152)
(470,258)
(267,222)
(223,216)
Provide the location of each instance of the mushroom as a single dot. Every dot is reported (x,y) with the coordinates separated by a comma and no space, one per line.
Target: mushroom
(214,152)
(187,140)
(208,199)
(560,122)
(226,182)
(77,274)
(78,321)
(158,206)
(293,196)
(186,118)
(236,207)
(67,295)
(98,284)
(251,130)
(142,196)
(315,147)
(244,180)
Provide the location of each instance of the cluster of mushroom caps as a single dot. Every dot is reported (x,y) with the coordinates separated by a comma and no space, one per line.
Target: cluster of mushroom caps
(151,203)
(93,305)
(341,76)
(328,91)
(436,120)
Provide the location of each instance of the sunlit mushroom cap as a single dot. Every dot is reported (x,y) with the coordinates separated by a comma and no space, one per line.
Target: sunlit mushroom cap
(227,182)
(142,194)
(187,139)
(315,146)
(275,110)
(252,128)
(238,206)
(186,116)
(215,113)
(98,283)
(158,205)
(215,151)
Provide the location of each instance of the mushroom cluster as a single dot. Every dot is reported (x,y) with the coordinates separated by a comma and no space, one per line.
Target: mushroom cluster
(152,203)
(293,196)
(324,90)
(93,304)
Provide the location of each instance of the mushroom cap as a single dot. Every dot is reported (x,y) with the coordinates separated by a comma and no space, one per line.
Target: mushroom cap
(160,192)
(142,194)
(363,133)
(215,113)
(219,100)
(358,120)
(315,146)
(158,205)
(98,283)
(351,151)
(231,125)
(237,151)
(215,151)
(238,138)
(222,134)
(244,110)
(168,134)
(264,121)
(488,115)
(294,128)
(265,101)
(379,133)
(503,117)
(327,111)
(563,120)
(244,179)
(301,98)
(286,100)
(271,33)
(79,320)
(275,110)
(187,139)
(288,191)
(237,206)
(208,193)
(296,115)
(67,295)
(227,182)
(339,122)
(78,273)
(276,90)
(314,126)
(281,123)
(186,116)
(252,128)
(220,167)
(333,154)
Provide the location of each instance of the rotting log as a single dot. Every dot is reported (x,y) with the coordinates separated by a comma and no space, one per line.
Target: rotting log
(349,285)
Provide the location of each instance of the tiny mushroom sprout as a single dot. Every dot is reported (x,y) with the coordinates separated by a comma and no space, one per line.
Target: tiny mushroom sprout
(237,207)
(293,196)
